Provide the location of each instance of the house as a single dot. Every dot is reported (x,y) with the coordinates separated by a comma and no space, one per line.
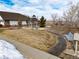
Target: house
(16,19)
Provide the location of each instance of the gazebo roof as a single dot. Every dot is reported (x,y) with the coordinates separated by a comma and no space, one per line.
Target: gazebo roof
(12,16)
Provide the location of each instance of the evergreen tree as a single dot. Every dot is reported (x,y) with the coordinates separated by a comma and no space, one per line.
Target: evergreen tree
(42,22)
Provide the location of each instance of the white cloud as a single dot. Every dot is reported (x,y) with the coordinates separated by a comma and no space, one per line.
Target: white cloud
(3,8)
(39,7)
(34,1)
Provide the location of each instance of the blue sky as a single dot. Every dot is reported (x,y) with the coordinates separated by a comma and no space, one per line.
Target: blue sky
(38,7)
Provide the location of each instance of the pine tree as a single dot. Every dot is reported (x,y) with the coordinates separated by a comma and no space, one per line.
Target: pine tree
(42,22)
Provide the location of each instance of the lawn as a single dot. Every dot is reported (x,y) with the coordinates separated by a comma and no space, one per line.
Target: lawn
(1,30)
(39,39)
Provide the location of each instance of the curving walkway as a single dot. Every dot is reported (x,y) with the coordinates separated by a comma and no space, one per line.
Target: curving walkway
(60,46)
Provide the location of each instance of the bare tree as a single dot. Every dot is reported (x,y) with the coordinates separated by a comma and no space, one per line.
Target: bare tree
(70,16)
(55,18)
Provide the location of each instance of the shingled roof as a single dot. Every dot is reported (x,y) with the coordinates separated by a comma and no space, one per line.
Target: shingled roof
(13,16)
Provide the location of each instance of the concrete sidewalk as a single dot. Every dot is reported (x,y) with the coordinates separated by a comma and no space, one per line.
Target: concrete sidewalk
(29,52)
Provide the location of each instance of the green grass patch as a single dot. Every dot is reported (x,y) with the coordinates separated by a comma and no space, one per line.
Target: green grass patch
(1,30)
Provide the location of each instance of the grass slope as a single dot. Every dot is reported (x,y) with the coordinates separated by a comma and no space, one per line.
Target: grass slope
(42,40)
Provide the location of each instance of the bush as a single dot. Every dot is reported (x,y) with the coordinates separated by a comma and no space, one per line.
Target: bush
(1,25)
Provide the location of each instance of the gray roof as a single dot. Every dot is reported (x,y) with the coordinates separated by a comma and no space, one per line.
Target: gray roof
(12,16)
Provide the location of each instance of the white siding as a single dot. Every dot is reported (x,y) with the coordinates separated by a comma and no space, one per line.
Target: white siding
(13,22)
(16,23)
(23,22)
(1,20)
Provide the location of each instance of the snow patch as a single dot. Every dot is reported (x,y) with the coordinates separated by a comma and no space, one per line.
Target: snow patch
(8,51)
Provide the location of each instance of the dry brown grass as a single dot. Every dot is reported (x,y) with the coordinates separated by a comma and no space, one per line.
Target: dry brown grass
(42,40)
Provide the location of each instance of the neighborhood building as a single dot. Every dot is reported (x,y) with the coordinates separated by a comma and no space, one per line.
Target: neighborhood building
(16,19)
